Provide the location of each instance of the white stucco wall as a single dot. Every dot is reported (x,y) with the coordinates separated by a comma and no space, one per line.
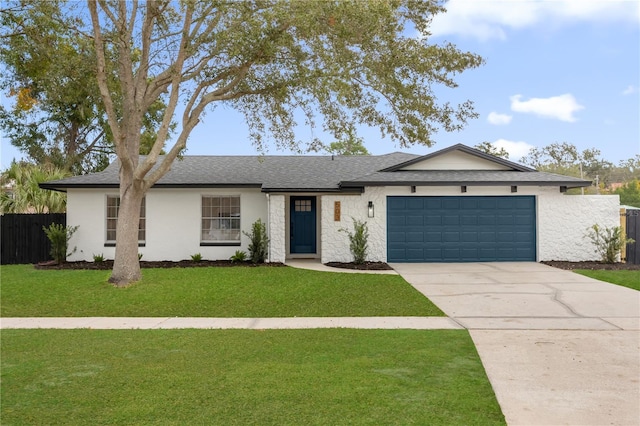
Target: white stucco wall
(562,220)
(173,220)
(335,244)
(277,239)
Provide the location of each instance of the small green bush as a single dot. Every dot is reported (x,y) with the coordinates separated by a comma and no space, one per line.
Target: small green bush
(98,258)
(239,256)
(607,241)
(59,236)
(196,257)
(358,241)
(259,242)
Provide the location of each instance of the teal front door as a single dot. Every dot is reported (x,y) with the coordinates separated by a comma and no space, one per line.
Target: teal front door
(303,225)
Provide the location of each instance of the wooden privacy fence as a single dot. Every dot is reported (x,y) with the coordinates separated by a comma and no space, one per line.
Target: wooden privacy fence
(631,219)
(23,240)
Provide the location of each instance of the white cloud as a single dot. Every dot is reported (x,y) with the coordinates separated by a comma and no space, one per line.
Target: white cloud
(516,149)
(559,107)
(490,19)
(630,90)
(499,119)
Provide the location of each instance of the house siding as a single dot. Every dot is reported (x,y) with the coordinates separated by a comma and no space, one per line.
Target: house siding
(173,220)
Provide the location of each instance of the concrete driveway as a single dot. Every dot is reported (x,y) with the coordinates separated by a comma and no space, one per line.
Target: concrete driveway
(559,348)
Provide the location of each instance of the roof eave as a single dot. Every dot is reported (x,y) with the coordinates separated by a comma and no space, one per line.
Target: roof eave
(467,183)
(466,149)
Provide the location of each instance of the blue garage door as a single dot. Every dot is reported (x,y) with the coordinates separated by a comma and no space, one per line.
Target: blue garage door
(461,229)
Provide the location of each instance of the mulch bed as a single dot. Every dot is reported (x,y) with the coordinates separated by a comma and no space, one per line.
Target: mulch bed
(593,265)
(108,264)
(367,266)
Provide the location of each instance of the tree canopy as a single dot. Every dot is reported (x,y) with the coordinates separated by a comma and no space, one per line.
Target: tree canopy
(332,64)
(350,145)
(490,148)
(49,69)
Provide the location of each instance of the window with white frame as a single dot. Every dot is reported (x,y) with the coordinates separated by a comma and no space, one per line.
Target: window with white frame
(220,219)
(113,207)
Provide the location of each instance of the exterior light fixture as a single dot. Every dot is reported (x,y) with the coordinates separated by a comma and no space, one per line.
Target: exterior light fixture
(463,188)
(370,209)
(514,188)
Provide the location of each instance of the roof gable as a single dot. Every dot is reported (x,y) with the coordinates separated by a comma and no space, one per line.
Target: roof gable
(458,157)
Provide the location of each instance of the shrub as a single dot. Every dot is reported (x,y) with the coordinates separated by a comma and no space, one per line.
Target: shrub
(358,241)
(239,256)
(196,257)
(59,236)
(259,242)
(98,258)
(607,241)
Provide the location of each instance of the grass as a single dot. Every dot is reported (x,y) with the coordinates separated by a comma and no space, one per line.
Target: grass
(238,377)
(208,292)
(629,279)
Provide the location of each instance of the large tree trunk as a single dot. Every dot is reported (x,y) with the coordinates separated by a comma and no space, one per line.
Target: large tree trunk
(126,266)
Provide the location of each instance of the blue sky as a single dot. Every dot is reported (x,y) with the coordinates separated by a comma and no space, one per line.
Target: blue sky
(556,71)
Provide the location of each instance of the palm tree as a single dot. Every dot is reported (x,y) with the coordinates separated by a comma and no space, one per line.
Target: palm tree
(21,192)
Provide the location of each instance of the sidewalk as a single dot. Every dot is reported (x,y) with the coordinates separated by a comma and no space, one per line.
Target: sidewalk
(120,323)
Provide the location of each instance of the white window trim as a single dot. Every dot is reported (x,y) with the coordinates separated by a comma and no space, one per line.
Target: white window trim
(112,243)
(221,242)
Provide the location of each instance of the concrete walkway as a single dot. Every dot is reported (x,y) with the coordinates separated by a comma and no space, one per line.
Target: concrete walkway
(558,348)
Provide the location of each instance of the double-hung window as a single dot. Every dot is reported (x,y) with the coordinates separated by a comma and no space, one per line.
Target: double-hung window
(220,220)
(113,207)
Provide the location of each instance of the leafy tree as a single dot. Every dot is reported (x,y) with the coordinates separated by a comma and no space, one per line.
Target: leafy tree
(629,193)
(490,148)
(21,193)
(344,62)
(351,145)
(565,159)
(49,70)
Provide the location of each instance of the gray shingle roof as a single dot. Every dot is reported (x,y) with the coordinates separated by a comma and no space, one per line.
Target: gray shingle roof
(465,177)
(316,173)
(271,173)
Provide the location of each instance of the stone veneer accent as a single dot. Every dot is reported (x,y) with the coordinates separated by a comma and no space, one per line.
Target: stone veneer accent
(277,241)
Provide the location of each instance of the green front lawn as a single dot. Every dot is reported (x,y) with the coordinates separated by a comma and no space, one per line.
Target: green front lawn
(240,377)
(629,279)
(208,292)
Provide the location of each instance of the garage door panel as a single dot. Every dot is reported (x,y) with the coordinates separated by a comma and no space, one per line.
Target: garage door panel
(461,229)
(486,220)
(413,237)
(432,220)
(414,221)
(415,203)
(469,237)
(450,203)
(433,237)
(450,219)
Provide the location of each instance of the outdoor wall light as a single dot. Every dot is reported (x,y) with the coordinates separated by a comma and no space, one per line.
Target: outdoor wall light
(370,209)
(463,188)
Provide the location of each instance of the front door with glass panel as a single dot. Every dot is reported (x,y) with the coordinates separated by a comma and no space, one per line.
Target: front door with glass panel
(303,225)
